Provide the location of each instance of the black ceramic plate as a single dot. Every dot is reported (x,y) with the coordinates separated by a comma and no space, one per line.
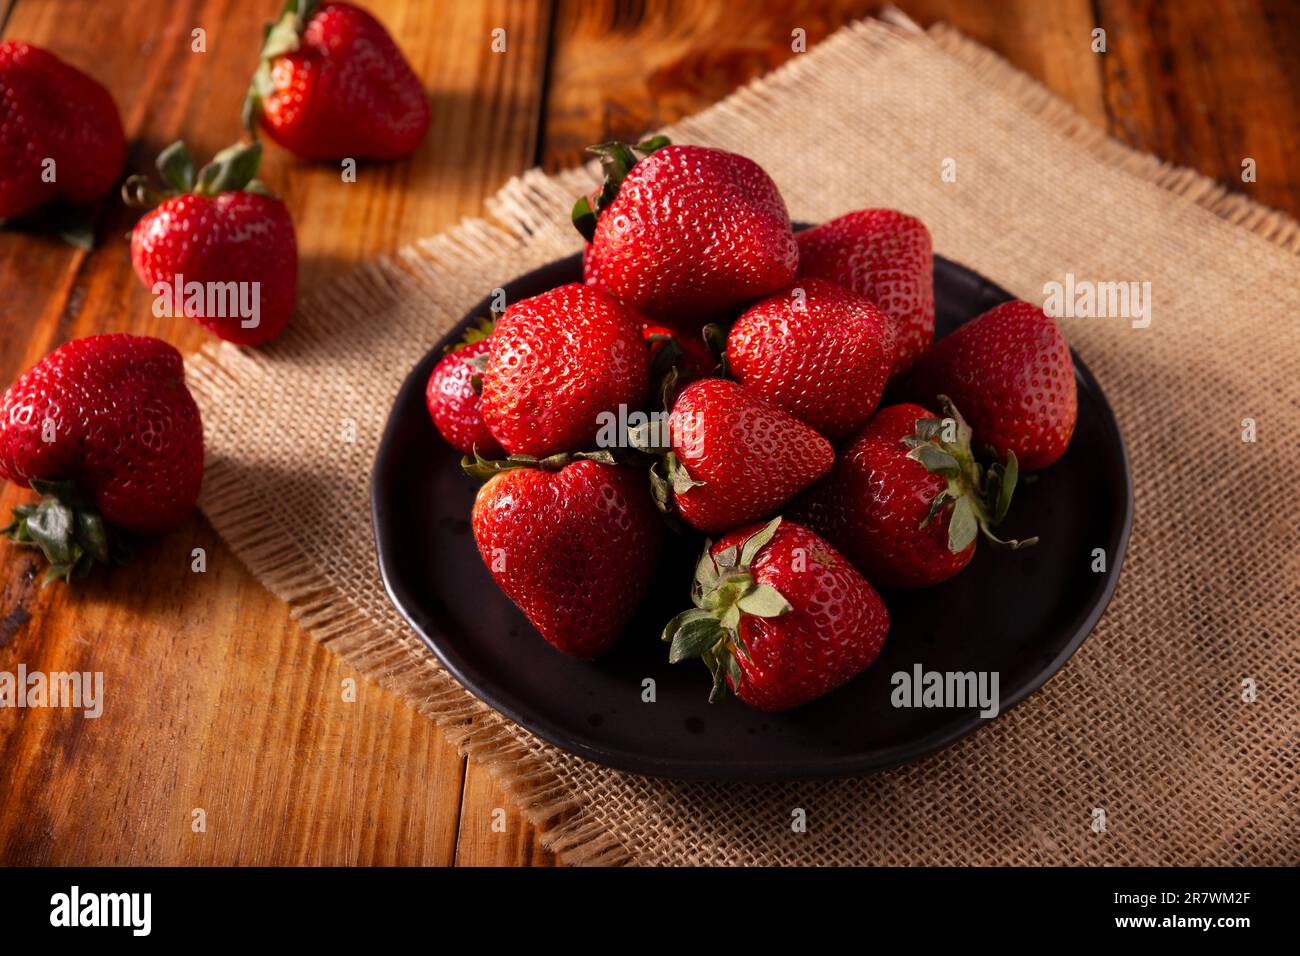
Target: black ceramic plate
(1020,614)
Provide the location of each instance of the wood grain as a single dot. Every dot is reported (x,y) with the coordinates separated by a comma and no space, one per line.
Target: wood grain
(215,699)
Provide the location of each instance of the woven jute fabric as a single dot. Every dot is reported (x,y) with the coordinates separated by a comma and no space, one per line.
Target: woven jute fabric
(1151,722)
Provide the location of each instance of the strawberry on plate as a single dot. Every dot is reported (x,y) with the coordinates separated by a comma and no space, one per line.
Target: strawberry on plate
(781,618)
(817,350)
(1011,374)
(885,256)
(907,499)
(60,133)
(556,362)
(218,231)
(107,430)
(332,84)
(453,399)
(733,457)
(685,234)
(571,540)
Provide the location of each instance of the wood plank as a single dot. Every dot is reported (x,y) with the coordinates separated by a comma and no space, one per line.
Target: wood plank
(214,698)
(492,832)
(1208,85)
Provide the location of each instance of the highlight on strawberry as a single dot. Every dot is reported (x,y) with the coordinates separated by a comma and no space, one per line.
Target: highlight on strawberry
(106,430)
(61,138)
(218,247)
(331,84)
(780,618)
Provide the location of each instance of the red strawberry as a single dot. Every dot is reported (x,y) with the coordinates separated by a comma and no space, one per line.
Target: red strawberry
(1011,374)
(332,84)
(106,426)
(817,350)
(52,111)
(572,542)
(904,504)
(886,256)
(683,234)
(735,457)
(453,402)
(676,360)
(230,242)
(780,617)
(555,363)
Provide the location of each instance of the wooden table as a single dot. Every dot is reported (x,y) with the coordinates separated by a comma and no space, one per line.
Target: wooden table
(215,699)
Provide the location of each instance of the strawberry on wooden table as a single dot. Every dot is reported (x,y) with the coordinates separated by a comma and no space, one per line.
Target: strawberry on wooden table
(107,430)
(60,133)
(906,502)
(733,457)
(555,363)
(219,242)
(817,350)
(781,618)
(332,84)
(685,234)
(453,399)
(886,256)
(572,540)
(1011,374)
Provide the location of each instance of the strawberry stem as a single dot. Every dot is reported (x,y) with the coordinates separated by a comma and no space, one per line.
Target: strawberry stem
(69,531)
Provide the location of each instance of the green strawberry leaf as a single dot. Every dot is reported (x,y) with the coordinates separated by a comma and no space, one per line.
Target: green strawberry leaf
(962,525)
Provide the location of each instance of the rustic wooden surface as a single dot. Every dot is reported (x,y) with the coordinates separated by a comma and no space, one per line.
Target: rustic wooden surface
(215,699)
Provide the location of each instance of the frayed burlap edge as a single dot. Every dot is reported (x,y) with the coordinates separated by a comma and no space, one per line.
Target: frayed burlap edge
(524,207)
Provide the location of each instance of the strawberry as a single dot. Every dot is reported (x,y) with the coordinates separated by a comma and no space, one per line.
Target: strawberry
(571,540)
(885,256)
(906,500)
(685,234)
(106,428)
(332,84)
(555,363)
(817,350)
(1011,374)
(676,360)
(452,395)
(780,617)
(733,457)
(60,133)
(219,247)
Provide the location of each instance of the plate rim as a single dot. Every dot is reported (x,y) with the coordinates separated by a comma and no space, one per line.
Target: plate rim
(483,688)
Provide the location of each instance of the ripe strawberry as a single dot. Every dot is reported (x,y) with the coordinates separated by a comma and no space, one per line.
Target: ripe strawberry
(885,256)
(452,398)
(50,111)
(107,428)
(573,542)
(780,617)
(907,499)
(734,457)
(682,234)
(332,84)
(1011,374)
(555,363)
(226,238)
(817,350)
(676,360)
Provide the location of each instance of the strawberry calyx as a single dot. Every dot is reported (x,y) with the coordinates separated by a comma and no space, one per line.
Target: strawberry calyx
(480,331)
(977,498)
(232,170)
(278,38)
(68,529)
(724,591)
(480,468)
(616,161)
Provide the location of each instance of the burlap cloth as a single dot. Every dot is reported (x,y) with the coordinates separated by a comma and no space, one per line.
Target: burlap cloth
(1146,722)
